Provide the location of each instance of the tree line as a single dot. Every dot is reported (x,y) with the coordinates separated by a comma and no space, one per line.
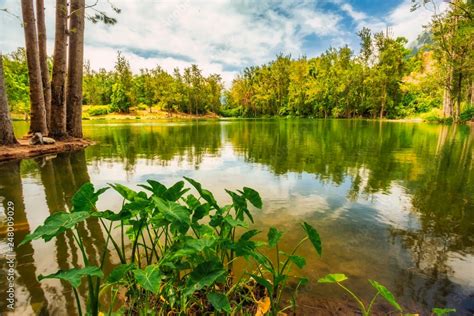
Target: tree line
(383,79)
(188,91)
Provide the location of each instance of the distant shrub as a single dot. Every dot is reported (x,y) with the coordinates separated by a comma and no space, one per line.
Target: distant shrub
(467,114)
(96,110)
(142,107)
(233,112)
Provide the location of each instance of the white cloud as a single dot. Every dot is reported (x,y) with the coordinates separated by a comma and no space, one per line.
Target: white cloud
(409,24)
(220,36)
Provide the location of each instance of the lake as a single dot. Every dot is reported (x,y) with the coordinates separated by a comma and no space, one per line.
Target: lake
(393,201)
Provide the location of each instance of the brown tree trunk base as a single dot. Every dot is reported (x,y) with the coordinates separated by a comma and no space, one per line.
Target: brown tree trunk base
(25,150)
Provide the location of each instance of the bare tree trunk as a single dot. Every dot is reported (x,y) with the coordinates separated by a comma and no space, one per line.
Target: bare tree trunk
(7,136)
(38,111)
(58,86)
(447,100)
(43,57)
(384,100)
(458,97)
(472,93)
(75,69)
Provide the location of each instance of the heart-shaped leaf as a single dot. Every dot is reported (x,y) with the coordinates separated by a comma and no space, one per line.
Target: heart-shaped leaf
(149,278)
(314,237)
(56,224)
(333,278)
(219,301)
(74,276)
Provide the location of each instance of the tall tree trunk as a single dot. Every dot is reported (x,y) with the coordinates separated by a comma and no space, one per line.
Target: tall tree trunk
(447,99)
(384,100)
(43,56)
(58,86)
(75,69)
(38,111)
(7,136)
(458,97)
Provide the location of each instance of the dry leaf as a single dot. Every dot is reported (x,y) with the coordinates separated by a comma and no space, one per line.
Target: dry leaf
(263,306)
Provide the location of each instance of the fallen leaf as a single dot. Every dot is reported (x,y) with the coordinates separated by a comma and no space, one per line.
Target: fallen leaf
(263,306)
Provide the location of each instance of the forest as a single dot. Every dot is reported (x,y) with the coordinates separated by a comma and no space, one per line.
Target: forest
(334,209)
(387,78)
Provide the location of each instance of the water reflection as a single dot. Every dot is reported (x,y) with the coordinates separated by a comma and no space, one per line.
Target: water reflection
(393,201)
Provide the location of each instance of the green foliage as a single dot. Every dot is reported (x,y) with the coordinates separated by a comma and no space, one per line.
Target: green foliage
(74,276)
(443,311)
(96,110)
(467,114)
(176,251)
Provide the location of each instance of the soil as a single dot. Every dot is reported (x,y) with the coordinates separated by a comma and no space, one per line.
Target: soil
(25,150)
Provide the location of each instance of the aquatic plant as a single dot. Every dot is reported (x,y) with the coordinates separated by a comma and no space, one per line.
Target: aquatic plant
(176,251)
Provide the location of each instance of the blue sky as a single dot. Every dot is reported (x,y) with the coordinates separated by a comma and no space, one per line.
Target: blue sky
(224,36)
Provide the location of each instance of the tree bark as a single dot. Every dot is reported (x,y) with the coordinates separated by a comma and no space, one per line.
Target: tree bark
(58,86)
(7,136)
(447,99)
(43,56)
(38,111)
(75,69)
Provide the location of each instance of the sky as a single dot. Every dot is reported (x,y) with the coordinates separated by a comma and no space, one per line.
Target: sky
(222,36)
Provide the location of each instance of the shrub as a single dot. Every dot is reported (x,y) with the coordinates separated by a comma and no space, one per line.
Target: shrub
(467,114)
(96,110)
(231,112)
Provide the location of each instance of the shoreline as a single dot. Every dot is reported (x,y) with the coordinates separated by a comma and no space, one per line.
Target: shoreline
(25,150)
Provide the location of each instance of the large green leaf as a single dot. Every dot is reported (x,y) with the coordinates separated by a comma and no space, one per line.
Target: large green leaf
(119,272)
(173,212)
(386,294)
(274,236)
(56,224)
(219,301)
(201,211)
(155,187)
(253,197)
(299,261)
(149,278)
(234,222)
(74,276)
(333,278)
(205,194)
(314,237)
(175,192)
(111,216)
(205,274)
(443,311)
(86,197)
(127,193)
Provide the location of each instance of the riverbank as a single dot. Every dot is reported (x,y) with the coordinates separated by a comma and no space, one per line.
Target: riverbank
(25,150)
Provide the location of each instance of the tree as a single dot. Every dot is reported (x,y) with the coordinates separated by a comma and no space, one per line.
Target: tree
(38,110)
(58,93)
(75,69)
(7,136)
(120,98)
(43,58)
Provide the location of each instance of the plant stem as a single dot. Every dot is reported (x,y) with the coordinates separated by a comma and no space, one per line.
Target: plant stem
(78,301)
(361,304)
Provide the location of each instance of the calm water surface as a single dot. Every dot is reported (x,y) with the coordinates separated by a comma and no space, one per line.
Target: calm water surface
(392,201)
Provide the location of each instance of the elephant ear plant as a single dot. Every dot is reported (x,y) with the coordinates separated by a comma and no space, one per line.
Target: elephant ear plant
(176,251)
(382,291)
